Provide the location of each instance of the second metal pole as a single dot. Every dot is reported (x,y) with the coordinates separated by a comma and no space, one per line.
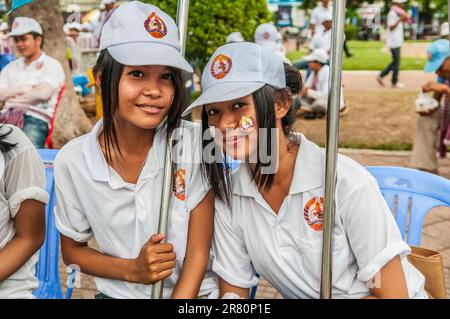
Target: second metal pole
(334,101)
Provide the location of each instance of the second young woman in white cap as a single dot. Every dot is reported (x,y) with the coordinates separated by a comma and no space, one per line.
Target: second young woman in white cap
(269,212)
(109,182)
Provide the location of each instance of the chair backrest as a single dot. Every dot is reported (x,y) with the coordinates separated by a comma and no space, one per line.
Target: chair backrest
(49,139)
(47,270)
(411,194)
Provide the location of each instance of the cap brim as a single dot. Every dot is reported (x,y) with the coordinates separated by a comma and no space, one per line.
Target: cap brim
(17,33)
(149,53)
(221,92)
(433,66)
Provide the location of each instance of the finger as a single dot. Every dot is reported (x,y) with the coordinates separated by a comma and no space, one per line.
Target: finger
(164,274)
(155,239)
(164,257)
(163,248)
(164,266)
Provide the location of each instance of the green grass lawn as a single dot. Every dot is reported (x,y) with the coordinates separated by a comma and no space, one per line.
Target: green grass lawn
(368,55)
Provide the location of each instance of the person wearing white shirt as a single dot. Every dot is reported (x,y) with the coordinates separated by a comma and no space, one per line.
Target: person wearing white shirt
(30,85)
(318,15)
(322,40)
(394,40)
(22,213)
(314,94)
(270,212)
(109,182)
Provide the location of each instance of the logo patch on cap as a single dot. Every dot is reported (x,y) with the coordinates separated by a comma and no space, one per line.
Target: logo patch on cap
(15,25)
(179,187)
(221,66)
(266,35)
(155,26)
(313,213)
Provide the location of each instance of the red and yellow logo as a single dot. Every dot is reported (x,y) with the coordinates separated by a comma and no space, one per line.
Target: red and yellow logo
(313,213)
(179,187)
(155,26)
(221,66)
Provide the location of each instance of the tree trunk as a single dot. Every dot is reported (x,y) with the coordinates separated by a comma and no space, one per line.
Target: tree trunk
(71,121)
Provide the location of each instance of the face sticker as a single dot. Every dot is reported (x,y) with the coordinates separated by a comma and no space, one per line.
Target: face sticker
(246,123)
(313,213)
(221,66)
(179,187)
(155,26)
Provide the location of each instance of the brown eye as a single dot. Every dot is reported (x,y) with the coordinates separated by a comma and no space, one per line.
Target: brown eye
(136,74)
(168,76)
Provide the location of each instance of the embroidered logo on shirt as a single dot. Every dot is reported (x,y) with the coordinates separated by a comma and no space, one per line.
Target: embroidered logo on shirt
(179,187)
(39,65)
(155,26)
(221,66)
(313,213)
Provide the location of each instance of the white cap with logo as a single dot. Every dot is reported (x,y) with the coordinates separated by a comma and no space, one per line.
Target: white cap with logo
(142,34)
(25,25)
(266,34)
(317,55)
(235,37)
(236,70)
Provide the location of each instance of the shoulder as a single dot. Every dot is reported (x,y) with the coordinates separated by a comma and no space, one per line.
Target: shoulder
(22,144)
(52,63)
(71,153)
(11,66)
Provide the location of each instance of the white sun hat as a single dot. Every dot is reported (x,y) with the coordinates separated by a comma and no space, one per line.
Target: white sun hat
(142,34)
(239,69)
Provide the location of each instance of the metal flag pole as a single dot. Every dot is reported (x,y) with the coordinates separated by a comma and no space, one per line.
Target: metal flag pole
(334,100)
(182,20)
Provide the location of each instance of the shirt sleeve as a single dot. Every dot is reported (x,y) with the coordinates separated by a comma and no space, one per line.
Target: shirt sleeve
(392,18)
(25,179)
(314,17)
(53,74)
(371,229)
(4,82)
(69,218)
(231,261)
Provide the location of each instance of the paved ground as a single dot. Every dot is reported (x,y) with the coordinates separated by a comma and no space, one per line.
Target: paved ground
(436,234)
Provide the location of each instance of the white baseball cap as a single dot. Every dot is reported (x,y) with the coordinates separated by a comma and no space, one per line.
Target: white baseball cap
(399,1)
(25,25)
(444,29)
(317,55)
(142,34)
(235,37)
(265,33)
(236,70)
(105,2)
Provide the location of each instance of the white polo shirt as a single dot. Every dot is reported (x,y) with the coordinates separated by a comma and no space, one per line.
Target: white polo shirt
(22,177)
(394,38)
(318,15)
(286,248)
(94,201)
(44,69)
(322,41)
(322,87)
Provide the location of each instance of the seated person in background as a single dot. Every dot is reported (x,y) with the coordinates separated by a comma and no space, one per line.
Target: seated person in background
(29,86)
(322,40)
(314,94)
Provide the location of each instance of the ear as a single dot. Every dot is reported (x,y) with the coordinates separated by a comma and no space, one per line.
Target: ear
(98,82)
(282,105)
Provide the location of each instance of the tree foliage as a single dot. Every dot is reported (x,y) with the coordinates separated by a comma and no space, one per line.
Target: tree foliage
(210,21)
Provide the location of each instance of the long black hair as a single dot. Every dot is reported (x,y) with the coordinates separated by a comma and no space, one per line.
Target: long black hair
(4,145)
(218,173)
(109,71)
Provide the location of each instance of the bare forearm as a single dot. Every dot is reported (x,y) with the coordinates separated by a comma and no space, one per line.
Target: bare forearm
(392,27)
(15,254)
(189,283)
(94,263)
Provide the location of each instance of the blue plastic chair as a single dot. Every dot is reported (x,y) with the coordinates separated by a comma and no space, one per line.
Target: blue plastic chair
(47,270)
(411,194)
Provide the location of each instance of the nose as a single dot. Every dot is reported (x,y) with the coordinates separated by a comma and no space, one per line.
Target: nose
(152,89)
(227,121)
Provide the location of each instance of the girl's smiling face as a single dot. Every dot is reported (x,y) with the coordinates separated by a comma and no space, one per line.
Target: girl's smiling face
(235,126)
(145,95)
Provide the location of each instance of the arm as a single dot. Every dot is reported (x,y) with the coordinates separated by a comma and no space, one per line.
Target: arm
(37,94)
(197,250)
(225,287)
(155,261)
(392,282)
(393,26)
(29,224)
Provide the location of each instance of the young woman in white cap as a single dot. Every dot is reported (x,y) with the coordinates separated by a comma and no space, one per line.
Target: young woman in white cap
(22,213)
(109,182)
(269,212)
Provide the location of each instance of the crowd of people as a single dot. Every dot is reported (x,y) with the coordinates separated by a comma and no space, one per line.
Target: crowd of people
(226,225)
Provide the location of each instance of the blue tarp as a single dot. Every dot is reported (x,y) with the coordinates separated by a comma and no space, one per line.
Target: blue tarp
(17,4)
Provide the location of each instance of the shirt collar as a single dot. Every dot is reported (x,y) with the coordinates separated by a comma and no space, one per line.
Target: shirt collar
(308,172)
(39,60)
(102,172)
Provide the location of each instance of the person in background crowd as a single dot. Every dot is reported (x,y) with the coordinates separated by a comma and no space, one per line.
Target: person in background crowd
(30,85)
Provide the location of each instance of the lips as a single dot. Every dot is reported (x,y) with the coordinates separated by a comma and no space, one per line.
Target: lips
(150,109)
